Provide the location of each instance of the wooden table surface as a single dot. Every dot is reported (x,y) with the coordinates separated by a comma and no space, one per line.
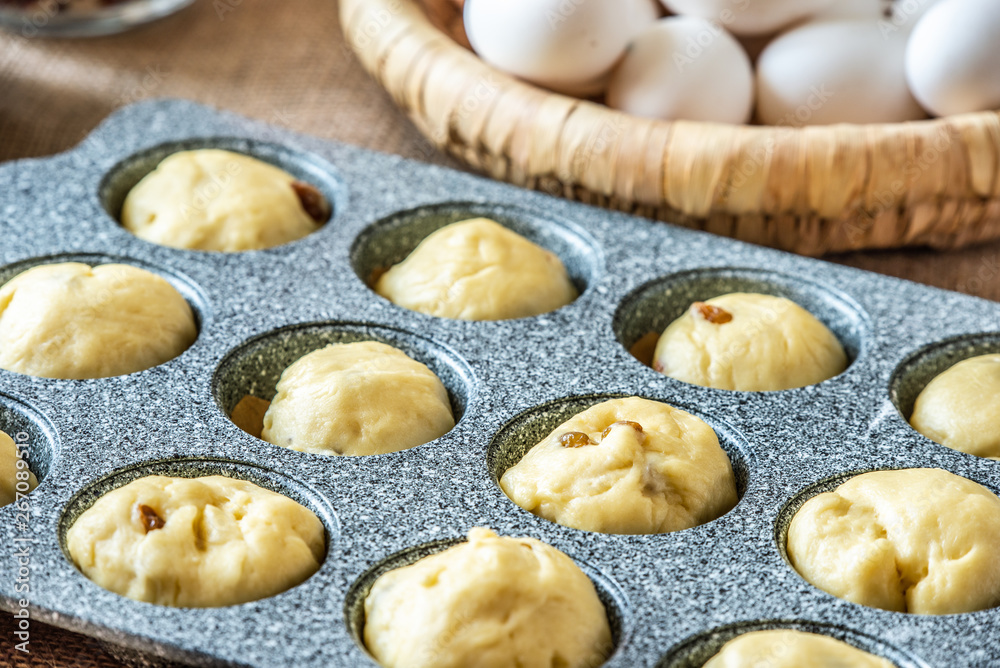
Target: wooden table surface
(284,63)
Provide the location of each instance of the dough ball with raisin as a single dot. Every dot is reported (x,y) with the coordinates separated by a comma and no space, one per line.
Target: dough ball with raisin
(627,466)
(214,200)
(478,270)
(196,542)
(749,342)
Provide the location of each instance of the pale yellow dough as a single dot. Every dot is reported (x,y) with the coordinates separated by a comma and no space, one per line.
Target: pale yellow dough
(923,541)
(490,603)
(960,409)
(792,649)
(478,270)
(770,344)
(9,471)
(357,399)
(222,542)
(215,200)
(672,475)
(73,321)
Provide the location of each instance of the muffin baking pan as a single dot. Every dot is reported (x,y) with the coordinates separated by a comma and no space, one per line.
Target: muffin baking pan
(673,599)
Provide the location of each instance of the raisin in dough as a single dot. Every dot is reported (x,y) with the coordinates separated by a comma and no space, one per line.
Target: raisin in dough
(478,270)
(491,603)
(196,543)
(749,342)
(356,399)
(9,470)
(792,649)
(72,321)
(960,409)
(214,200)
(627,466)
(923,541)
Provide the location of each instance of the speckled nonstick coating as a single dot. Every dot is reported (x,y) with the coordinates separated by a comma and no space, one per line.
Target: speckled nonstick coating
(673,598)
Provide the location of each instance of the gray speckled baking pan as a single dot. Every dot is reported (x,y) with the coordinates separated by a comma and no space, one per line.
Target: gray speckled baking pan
(673,598)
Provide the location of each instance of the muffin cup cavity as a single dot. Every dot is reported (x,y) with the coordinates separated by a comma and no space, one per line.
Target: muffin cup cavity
(616,604)
(915,372)
(647,311)
(513,441)
(390,240)
(254,368)
(32,433)
(188,289)
(197,468)
(696,651)
(798,500)
(116,184)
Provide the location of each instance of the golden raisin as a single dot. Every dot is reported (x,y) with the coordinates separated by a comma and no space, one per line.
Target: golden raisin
(150,520)
(313,202)
(714,314)
(575,439)
(623,423)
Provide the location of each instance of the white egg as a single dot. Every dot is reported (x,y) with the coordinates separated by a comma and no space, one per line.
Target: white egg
(684,68)
(953,58)
(835,72)
(854,9)
(749,17)
(906,13)
(567,45)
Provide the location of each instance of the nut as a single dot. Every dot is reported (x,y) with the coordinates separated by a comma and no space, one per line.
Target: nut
(714,314)
(312,201)
(575,439)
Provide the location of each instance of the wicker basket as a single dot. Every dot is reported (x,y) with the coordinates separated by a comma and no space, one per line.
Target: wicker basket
(812,190)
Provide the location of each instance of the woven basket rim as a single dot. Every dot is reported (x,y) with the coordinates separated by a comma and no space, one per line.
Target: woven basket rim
(811,189)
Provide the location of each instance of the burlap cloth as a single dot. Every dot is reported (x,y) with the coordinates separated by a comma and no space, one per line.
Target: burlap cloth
(286,63)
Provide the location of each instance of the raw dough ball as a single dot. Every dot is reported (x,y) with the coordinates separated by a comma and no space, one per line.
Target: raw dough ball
(72,321)
(628,466)
(922,541)
(356,399)
(792,649)
(750,343)
(196,543)
(491,602)
(9,470)
(478,270)
(216,200)
(960,409)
